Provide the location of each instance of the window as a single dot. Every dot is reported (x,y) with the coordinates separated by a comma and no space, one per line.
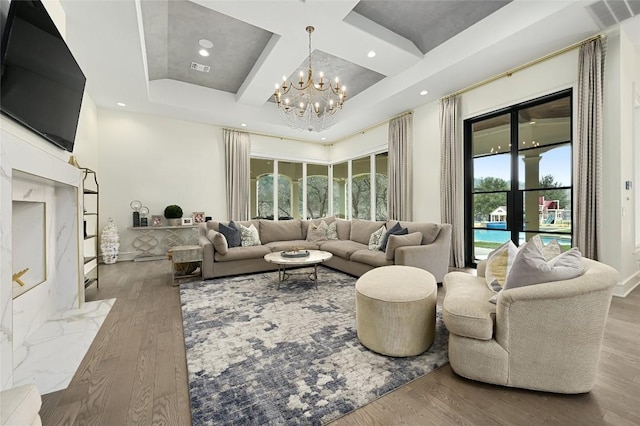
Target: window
(341,190)
(361,190)
(518,175)
(317,191)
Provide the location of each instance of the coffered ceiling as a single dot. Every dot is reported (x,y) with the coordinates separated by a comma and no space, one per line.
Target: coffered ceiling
(140,52)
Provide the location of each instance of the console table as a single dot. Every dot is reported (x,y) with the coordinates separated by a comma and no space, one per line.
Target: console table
(149,237)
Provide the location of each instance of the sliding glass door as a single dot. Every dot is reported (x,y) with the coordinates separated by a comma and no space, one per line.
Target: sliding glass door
(518,179)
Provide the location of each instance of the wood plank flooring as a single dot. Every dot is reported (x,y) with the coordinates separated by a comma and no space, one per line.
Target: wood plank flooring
(135,372)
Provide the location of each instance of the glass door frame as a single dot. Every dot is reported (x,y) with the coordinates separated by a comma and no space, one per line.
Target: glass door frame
(515,210)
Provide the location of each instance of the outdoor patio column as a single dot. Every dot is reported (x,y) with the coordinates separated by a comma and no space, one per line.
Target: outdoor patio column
(531,180)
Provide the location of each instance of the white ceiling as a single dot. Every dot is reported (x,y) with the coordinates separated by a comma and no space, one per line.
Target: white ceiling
(108,39)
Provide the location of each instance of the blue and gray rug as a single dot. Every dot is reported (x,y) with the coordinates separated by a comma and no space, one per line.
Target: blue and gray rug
(258,355)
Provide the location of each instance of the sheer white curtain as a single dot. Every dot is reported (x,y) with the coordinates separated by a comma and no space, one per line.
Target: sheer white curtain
(452,176)
(589,146)
(237,149)
(400,168)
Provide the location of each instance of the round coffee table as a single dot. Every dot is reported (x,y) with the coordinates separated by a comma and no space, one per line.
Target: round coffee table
(314,258)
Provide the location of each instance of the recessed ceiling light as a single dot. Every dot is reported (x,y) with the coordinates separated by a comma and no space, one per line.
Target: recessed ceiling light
(424,92)
(371,54)
(122,104)
(324,139)
(203,52)
(207,44)
(244,124)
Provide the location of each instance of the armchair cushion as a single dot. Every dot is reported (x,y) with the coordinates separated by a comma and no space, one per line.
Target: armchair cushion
(466,309)
(530,267)
(499,263)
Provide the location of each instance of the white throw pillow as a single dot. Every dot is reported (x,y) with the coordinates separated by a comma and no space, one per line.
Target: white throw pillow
(499,263)
(550,250)
(375,240)
(250,236)
(317,233)
(332,230)
(530,267)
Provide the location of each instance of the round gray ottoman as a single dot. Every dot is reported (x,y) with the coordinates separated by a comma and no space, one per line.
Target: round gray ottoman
(396,310)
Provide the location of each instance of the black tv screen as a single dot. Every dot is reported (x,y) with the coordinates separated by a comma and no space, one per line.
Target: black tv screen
(42,84)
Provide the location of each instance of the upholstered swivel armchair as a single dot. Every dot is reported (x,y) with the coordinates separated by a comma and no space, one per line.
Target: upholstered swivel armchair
(544,337)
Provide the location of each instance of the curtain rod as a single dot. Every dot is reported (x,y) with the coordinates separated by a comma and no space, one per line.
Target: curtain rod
(359,132)
(524,66)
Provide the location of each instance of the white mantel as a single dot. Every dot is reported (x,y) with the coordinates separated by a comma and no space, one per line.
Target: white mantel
(63,288)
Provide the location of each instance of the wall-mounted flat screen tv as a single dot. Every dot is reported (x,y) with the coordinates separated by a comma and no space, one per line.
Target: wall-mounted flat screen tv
(42,84)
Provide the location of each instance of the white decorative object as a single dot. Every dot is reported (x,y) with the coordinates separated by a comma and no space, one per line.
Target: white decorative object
(110,243)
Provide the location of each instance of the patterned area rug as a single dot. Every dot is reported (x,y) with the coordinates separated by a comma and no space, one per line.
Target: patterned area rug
(259,355)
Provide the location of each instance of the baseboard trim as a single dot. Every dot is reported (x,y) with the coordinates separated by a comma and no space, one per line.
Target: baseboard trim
(627,286)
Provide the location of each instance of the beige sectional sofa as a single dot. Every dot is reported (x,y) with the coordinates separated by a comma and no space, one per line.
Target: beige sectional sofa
(350,250)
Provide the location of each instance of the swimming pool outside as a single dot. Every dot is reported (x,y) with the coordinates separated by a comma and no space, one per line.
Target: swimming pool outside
(495,236)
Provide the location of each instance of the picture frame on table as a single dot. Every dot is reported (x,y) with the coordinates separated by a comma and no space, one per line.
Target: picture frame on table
(187,221)
(156,220)
(198,217)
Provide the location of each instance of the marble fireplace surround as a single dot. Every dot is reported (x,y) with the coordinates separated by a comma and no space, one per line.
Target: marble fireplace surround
(26,170)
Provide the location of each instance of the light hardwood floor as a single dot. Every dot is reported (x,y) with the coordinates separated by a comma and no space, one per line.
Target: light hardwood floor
(135,372)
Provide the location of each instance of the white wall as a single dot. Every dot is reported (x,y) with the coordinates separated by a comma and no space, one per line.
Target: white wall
(367,142)
(288,149)
(157,161)
(426,164)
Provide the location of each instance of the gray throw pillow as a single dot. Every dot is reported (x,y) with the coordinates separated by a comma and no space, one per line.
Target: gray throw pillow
(395,230)
(249,236)
(530,267)
(232,234)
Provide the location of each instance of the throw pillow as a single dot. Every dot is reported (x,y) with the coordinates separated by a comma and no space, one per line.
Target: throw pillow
(219,241)
(332,231)
(550,250)
(376,238)
(499,263)
(317,233)
(249,236)
(395,241)
(530,267)
(231,233)
(395,230)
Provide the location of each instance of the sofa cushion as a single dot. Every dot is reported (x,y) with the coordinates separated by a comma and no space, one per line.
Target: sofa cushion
(396,241)
(281,230)
(218,240)
(498,265)
(428,230)
(242,253)
(361,230)
(370,257)
(375,240)
(249,236)
(466,309)
(530,267)
(395,230)
(317,232)
(343,228)
(291,245)
(343,249)
(232,233)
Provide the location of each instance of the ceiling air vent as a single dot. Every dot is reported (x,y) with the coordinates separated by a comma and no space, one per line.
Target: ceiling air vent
(611,12)
(200,67)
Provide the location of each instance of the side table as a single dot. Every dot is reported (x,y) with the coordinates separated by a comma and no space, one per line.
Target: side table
(185,254)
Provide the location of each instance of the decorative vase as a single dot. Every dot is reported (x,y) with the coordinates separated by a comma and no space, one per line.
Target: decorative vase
(174,222)
(110,243)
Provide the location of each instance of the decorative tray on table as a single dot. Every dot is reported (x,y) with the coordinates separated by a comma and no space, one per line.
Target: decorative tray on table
(295,253)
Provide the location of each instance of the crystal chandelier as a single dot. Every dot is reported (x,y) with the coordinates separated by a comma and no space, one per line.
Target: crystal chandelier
(310,105)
